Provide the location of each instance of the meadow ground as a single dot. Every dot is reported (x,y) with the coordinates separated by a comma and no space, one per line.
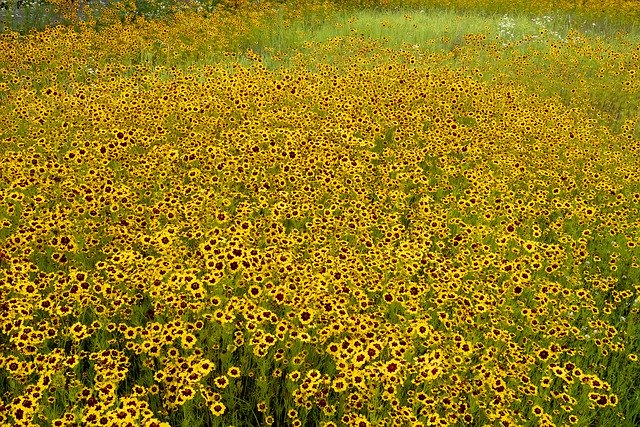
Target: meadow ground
(257,213)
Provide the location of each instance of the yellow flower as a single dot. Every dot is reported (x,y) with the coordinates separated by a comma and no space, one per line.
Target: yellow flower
(221,381)
(294,375)
(254,291)
(78,331)
(164,239)
(360,421)
(188,340)
(234,372)
(305,317)
(218,408)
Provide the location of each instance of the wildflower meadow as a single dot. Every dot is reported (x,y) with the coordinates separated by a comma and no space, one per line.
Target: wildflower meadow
(319,213)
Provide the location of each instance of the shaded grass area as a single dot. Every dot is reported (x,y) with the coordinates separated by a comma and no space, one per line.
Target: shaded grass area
(37,15)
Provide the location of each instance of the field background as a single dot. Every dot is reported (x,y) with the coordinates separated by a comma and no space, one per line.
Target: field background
(317,213)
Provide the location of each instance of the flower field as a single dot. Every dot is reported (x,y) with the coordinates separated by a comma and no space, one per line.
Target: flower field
(265,214)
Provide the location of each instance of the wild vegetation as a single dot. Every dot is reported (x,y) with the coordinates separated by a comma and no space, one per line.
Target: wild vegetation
(320,214)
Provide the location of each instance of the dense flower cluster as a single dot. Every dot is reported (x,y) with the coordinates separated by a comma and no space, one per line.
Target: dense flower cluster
(376,241)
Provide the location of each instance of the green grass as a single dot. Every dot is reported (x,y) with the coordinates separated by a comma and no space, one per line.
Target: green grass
(415,27)
(531,50)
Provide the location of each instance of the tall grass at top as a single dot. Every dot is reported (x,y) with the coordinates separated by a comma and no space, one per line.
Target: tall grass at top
(516,47)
